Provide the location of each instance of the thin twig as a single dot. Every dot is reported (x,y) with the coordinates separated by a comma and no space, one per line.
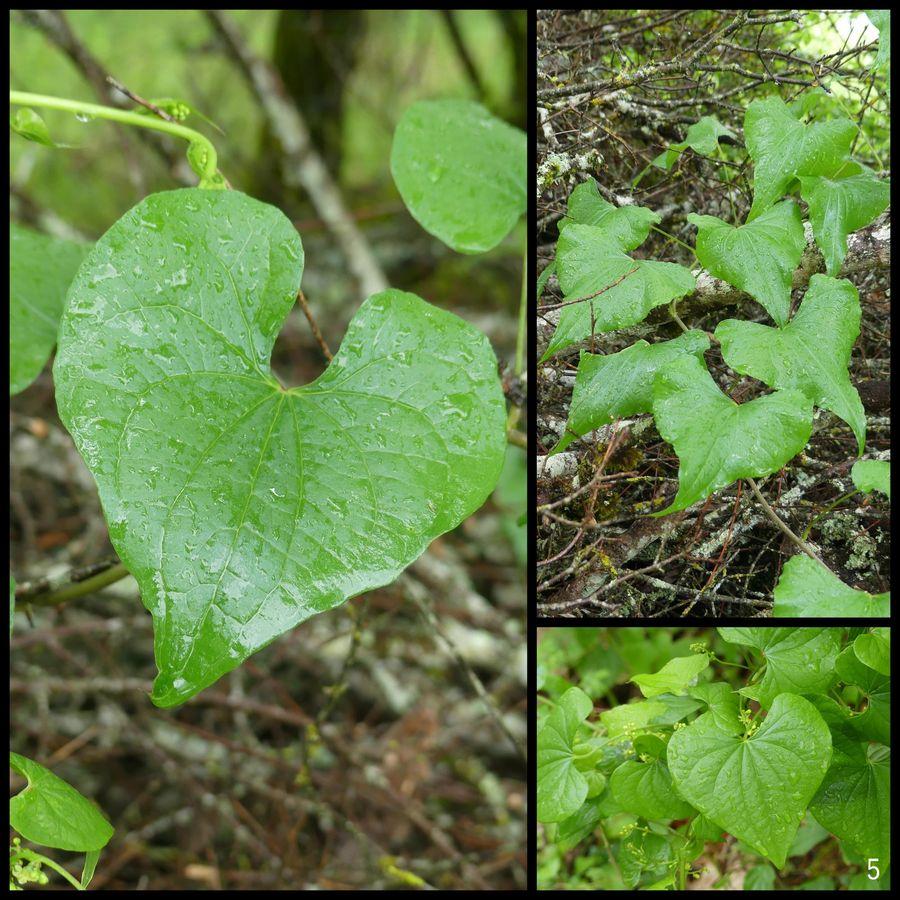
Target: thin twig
(609,287)
(72,584)
(782,527)
(147,104)
(418,595)
(323,346)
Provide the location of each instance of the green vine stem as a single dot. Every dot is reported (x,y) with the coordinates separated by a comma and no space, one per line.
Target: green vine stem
(201,153)
(30,855)
(523,310)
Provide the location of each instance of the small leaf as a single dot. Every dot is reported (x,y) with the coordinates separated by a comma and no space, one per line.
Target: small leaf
(807,589)
(760,878)
(625,227)
(840,206)
(29,125)
(52,813)
(623,290)
(243,507)
(817,104)
(91,858)
(872,475)
(702,137)
(874,650)
(723,702)
(646,789)
(649,744)
(180,110)
(810,354)
(881,19)
(800,660)
(562,788)
(41,268)
(674,677)
(621,384)
(756,788)
(718,441)
(628,716)
(759,257)
(543,278)
(461,172)
(783,148)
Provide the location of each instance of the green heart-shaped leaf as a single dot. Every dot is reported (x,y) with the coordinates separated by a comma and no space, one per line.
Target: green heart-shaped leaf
(588,263)
(646,789)
(853,802)
(41,268)
(241,507)
(874,722)
(723,702)
(872,475)
(783,148)
(52,813)
(808,589)
(717,440)
(758,787)
(702,137)
(562,787)
(840,206)
(810,354)
(461,172)
(624,227)
(621,384)
(759,257)
(799,660)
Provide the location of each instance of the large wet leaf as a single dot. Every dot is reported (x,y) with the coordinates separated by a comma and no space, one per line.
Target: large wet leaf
(646,789)
(783,148)
(561,786)
(625,227)
(242,507)
(759,257)
(840,206)
(874,722)
(41,268)
(757,787)
(461,172)
(621,384)
(799,660)
(52,813)
(853,802)
(622,290)
(579,825)
(807,589)
(810,354)
(718,441)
